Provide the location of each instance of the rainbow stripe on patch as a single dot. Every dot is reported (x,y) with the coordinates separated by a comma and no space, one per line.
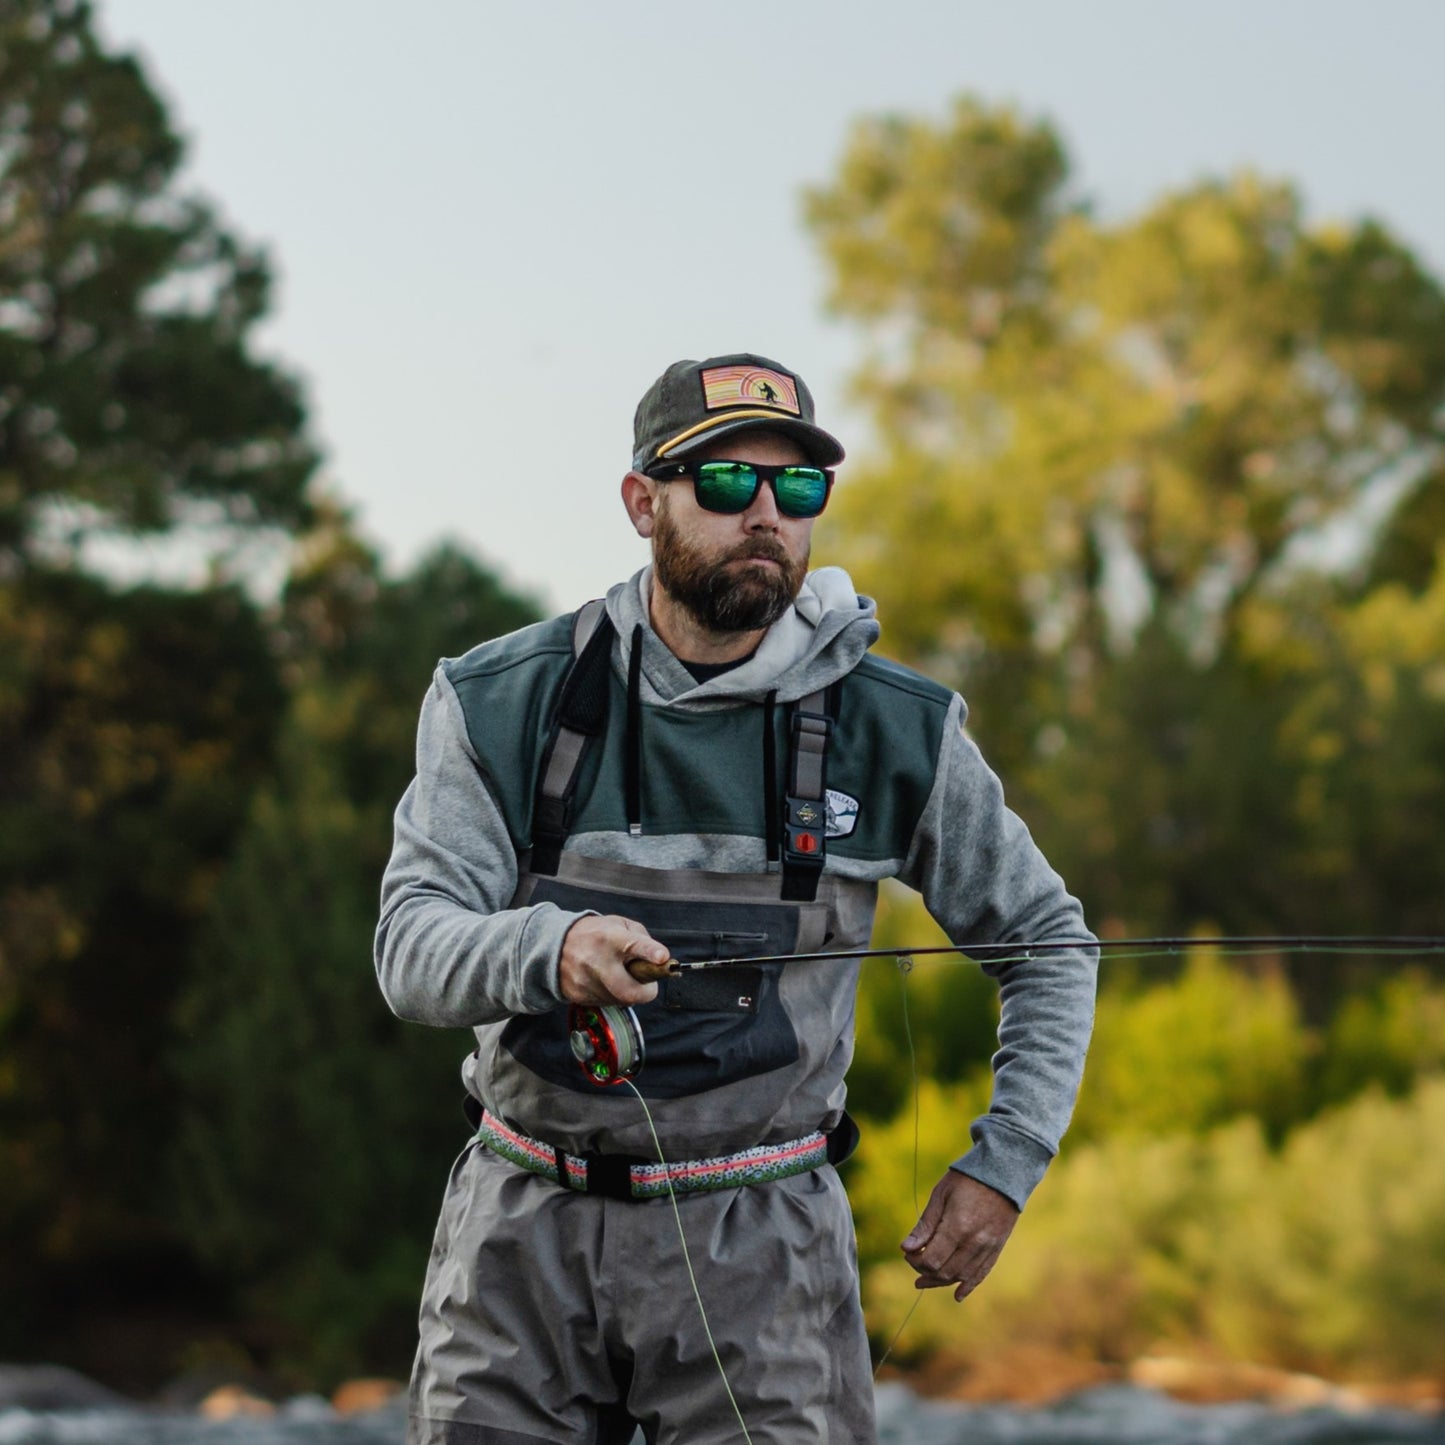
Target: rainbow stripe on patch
(749,386)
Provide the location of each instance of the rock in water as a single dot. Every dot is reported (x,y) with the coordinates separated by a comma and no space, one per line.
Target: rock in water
(231,1401)
(357,1397)
(53,1387)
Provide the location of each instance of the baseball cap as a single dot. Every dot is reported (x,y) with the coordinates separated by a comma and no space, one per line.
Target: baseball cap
(694,402)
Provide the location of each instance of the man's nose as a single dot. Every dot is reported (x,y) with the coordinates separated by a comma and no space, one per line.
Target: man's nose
(762,514)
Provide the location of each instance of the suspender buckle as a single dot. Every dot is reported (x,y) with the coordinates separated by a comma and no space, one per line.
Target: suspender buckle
(804,831)
(805,809)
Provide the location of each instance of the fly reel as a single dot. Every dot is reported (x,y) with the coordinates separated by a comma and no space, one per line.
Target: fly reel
(606,1041)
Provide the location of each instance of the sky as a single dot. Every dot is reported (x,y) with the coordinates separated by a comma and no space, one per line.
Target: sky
(493,225)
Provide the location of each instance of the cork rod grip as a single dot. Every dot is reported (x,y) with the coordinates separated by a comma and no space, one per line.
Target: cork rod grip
(645,972)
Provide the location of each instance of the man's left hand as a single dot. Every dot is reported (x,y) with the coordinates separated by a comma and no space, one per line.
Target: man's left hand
(964,1227)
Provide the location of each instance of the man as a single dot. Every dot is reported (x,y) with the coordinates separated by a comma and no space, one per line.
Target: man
(714,768)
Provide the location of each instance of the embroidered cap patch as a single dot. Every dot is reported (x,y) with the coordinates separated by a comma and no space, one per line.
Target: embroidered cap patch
(748,386)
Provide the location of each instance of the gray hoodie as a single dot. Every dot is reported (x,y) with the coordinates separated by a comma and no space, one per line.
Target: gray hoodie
(468,938)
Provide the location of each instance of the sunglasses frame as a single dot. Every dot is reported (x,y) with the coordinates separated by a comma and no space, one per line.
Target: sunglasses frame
(678,471)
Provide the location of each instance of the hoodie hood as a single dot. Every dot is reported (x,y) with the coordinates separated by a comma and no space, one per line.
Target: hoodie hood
(821,638)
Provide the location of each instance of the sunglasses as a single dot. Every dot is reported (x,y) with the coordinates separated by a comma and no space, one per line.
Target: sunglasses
(731,487)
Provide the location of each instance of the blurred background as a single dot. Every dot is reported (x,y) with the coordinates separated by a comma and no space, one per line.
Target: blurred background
(321,329)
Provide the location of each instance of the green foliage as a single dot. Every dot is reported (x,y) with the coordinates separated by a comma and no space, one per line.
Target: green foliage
(133,726)
(1359,1209)
(1328,1256)
(1182,1057)
(195,1063)
(134,723)
(1177,1057)
(128,400)
(318,1127)
(1109,455)
(937,1021)
(942,227)
(1387,1037)
(316,1131)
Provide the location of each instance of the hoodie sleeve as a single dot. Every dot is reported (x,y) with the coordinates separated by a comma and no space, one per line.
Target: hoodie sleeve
(449,951)
(983,878)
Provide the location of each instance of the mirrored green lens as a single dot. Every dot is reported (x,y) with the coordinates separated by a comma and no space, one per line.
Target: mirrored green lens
(731,487)
(725,486)
(801,491)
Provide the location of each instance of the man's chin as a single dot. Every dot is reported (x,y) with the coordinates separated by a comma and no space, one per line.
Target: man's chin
(752,613)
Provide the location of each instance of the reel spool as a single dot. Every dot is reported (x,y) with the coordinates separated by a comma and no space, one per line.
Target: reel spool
(606,1041)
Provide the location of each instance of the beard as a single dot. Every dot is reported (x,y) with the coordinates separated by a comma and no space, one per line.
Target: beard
(746,599)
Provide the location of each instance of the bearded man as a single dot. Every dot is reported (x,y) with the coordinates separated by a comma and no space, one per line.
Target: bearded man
(709,767)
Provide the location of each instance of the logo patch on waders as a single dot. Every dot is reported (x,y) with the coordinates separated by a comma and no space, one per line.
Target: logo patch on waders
(842,813)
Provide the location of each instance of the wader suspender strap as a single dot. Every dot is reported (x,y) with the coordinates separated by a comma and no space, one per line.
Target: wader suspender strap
(805,806)
(581,714)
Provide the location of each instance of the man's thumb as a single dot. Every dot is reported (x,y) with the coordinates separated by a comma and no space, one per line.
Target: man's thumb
(922,1232)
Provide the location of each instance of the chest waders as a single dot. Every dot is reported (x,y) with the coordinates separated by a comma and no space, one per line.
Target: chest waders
(704,1032)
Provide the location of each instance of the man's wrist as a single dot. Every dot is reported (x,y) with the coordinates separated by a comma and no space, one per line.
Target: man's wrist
(1010,1162)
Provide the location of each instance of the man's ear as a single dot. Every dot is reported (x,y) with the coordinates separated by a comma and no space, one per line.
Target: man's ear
(639,496)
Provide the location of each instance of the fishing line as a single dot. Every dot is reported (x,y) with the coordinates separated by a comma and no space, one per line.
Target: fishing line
(905,967)
(998,955)
(687,1259)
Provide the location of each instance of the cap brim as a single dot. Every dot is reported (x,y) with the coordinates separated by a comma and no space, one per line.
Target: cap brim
(822,449)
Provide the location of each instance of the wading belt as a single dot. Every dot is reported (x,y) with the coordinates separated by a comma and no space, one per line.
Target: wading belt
(581,715)
(633,1177)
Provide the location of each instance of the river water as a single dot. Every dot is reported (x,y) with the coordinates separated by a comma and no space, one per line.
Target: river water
(1113,1415)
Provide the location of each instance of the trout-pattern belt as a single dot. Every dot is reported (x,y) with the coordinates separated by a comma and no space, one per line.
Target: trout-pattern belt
(760,1165)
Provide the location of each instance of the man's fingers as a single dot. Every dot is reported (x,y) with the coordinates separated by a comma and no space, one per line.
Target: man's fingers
(625,987)
(961,1288)
(595,955)
(961,1234)
(962,1272)
(948,1260)
(639,950)
(622,985)
(612,984)
(921,1235)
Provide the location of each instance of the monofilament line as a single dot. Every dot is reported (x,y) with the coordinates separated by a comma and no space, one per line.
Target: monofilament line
(905,967)
(687,1259)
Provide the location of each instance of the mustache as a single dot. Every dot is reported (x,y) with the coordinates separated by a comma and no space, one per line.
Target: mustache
(766,549)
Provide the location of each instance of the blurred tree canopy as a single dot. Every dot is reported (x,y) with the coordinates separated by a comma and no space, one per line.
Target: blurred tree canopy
(134,722)
(317,1127)
(1163,497)
(129,401)
(211,1128)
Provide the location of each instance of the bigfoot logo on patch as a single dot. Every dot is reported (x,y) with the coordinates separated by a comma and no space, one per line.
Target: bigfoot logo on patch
(842,814)
(749,386)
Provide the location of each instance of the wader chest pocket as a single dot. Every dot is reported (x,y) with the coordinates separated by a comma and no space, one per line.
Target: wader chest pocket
(729,990)
(704,1029)
(723,990)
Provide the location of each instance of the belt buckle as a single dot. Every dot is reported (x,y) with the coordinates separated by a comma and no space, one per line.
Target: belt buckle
(611,1174)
